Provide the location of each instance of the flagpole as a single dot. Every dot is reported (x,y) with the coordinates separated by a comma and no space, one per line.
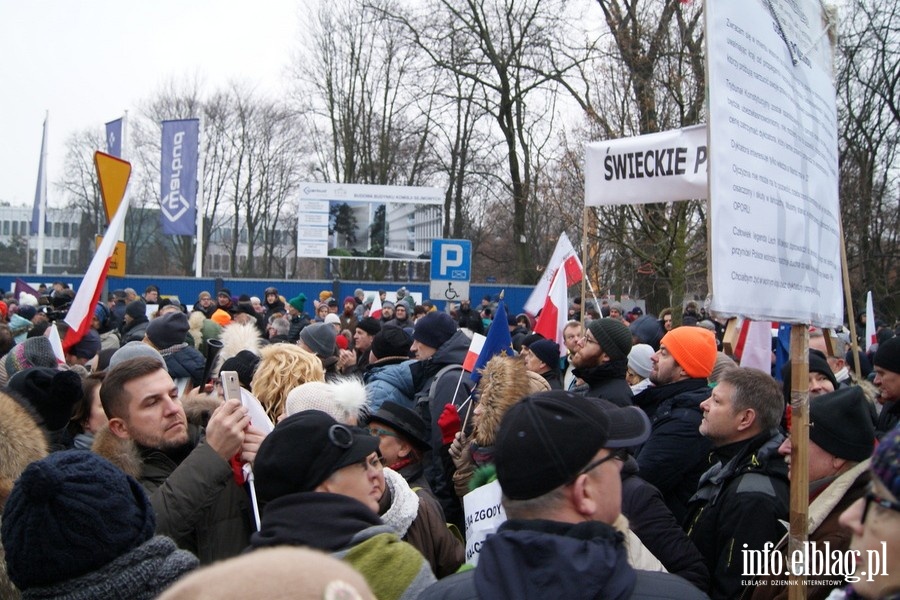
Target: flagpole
(41,197)
(584,266)
(198,251)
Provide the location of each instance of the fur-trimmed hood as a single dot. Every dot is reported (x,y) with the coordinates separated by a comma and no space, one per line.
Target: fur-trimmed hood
(504,381)
(125,454)
(22,442)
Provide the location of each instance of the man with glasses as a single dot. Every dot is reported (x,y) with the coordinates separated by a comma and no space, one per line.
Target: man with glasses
(841,440)
(318,484)
(601,361)
(555,455)
(740,498)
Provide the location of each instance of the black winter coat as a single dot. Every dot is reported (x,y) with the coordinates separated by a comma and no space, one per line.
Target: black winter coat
(652,521)
(676,454)
(606,381)
(739,502)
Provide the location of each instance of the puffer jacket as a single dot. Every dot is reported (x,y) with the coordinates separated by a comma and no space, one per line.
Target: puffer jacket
(675,455)
(738,505)
(392,382)
(185,362)
(192,490)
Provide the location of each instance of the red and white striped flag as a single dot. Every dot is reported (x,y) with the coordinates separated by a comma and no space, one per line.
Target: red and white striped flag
(375,310)
(475,348)
(81,312)
(555,313)
(870,321)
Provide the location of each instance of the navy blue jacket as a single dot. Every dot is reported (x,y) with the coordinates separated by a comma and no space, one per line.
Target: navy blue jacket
(675,455)
(537,560)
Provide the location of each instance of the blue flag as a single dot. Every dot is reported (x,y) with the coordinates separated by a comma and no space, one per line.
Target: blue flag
(178,168)
(114,138)
(782,348)
(498,341)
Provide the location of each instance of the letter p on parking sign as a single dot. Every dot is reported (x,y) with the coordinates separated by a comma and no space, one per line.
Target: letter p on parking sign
(451,260)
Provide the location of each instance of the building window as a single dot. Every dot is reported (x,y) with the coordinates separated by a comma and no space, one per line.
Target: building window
(57,230)
(65,227)
(73,256)
(55,257)
(5,227)
(74,232)
(65,257)
(46,256)
(15,228)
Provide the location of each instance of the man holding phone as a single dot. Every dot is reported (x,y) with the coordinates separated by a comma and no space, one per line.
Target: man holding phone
(184,469)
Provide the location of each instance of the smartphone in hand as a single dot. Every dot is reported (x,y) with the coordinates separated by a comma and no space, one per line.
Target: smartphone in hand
(230,384)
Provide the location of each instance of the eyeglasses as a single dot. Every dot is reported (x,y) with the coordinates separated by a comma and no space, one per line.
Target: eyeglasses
(378,432)
(340,436)
(882,502)
(616,454)
(588,340)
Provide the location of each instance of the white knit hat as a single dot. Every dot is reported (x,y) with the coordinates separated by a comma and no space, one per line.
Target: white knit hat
(639,359)
(342,400)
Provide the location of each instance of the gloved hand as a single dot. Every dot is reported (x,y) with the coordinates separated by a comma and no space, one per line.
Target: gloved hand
(449,423)
(459,450)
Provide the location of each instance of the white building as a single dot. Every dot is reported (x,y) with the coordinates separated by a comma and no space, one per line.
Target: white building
(61,239)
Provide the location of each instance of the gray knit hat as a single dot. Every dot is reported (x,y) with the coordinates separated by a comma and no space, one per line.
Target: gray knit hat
(135,350)
(320,338)
(613,337)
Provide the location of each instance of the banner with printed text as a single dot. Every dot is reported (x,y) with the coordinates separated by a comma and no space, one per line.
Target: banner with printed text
(658,167)
(178,169)
(773,177)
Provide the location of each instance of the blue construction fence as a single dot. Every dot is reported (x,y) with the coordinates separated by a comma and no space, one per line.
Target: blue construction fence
(188,288)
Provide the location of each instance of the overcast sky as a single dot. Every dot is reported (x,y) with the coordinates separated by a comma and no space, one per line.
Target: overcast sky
(88,61)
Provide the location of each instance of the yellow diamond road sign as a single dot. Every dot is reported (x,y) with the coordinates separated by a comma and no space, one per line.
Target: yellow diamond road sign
(113,174)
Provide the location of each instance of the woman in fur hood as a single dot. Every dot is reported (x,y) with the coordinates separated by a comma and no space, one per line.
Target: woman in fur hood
(504,381)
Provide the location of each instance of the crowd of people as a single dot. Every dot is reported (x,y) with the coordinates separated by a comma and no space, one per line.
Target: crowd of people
(639,460)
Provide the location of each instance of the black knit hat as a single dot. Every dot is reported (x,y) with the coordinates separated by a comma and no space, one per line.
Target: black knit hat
(840,424)
(888,355)
(391,341)
(244,363)
(531,338)
(545,439)
(304,450)
(435,329)
(405,421)
(168,330)
(547,351)
(136,309)
(70,514)
(88,346)
(613,337)
(52,393)
(369,325)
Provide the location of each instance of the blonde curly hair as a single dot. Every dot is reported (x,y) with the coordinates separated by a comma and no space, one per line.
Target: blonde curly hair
(282,367)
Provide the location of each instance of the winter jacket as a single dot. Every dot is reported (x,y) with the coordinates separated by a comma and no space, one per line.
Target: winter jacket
(348,530)
(606,381)
(19,327)
(738,504)
(538,559)
(135,331)
(192,490)
(185,362)
(276,308)
(675,455)
(390,382)
(298,322)
(652,521)
(418,519)
(823,514)
(887,418)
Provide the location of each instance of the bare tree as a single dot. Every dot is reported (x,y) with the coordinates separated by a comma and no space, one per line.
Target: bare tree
(869,123)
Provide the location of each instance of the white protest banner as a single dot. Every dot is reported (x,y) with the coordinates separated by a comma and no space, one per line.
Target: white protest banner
(658,167)
(775,219)
(484,514)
